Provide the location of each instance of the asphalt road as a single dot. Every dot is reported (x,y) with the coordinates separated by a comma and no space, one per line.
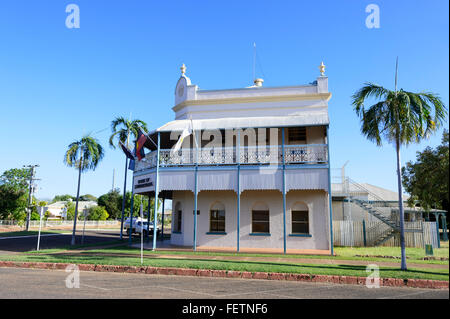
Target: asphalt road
(19,244)
(17,283)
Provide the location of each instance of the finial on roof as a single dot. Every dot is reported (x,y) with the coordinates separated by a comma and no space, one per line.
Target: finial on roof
(322,69)
(258,82)
(183,69)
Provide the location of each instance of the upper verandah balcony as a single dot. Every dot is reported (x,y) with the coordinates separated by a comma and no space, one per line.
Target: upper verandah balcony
(300,145)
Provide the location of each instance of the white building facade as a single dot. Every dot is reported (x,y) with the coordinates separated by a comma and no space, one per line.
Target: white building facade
(255,168)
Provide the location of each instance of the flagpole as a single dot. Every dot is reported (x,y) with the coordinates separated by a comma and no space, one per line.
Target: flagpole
(124,187)
(142,232)
(155,212)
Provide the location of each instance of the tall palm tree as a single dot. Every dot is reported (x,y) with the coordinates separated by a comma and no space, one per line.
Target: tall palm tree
(84,155)
(401,118)
(121,129)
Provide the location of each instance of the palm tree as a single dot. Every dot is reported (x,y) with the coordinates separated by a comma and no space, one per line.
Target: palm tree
(121,129)
(401,118)
(84,155)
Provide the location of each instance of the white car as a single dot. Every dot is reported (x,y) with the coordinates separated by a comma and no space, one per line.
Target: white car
(140,225)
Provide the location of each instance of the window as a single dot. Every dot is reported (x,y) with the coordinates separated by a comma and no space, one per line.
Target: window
(217,218)
(300,222)
(260,221)
(217,221)
(297,134)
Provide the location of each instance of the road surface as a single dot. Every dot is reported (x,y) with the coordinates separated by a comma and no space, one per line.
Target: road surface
(17,283)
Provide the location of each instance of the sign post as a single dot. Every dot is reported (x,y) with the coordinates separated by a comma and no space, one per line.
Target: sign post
(41,210)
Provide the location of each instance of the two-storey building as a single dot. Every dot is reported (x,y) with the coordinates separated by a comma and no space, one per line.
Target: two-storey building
(256,168)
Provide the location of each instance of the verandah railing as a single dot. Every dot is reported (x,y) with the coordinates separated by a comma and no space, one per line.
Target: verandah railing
(256,155)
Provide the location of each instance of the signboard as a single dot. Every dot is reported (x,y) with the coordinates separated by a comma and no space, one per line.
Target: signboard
(144,182)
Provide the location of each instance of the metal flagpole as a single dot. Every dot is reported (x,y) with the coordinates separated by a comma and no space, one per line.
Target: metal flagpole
(124,189)
(155,220)
(148,218)
(131,211)
(142,233)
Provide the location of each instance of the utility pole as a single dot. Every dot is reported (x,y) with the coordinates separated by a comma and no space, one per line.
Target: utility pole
(30,192)
(114,173)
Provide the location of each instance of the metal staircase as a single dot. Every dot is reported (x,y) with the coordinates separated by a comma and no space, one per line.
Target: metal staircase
(387,227)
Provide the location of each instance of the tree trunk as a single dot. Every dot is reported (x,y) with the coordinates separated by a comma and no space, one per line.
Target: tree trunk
(76,207)
(400,206)
(123,199)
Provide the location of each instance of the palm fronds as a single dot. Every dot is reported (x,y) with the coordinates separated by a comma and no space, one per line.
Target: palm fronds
(122,129)
(84,154)
(400,116)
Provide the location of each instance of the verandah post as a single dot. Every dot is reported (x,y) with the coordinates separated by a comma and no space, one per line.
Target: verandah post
(238,161)
(162,217)
(195,190)
(329,192)
(284,189)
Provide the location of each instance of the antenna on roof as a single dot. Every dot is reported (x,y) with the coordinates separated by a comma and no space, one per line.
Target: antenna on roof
(254,61)
(256,81)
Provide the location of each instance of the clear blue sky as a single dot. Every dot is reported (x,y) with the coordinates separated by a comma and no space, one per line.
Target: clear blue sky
(57,83)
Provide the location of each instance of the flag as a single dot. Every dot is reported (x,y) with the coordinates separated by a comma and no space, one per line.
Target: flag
(132,165)
(142,138)
(186,132)
(127,151)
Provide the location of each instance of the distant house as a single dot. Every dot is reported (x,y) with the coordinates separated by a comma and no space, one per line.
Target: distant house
(57,209)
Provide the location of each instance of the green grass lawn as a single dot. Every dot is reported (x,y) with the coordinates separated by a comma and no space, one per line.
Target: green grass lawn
(414,255)
(411,253)
(252,266)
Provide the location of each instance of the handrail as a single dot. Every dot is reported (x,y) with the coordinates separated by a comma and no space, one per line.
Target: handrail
(226,155)
(366,190)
